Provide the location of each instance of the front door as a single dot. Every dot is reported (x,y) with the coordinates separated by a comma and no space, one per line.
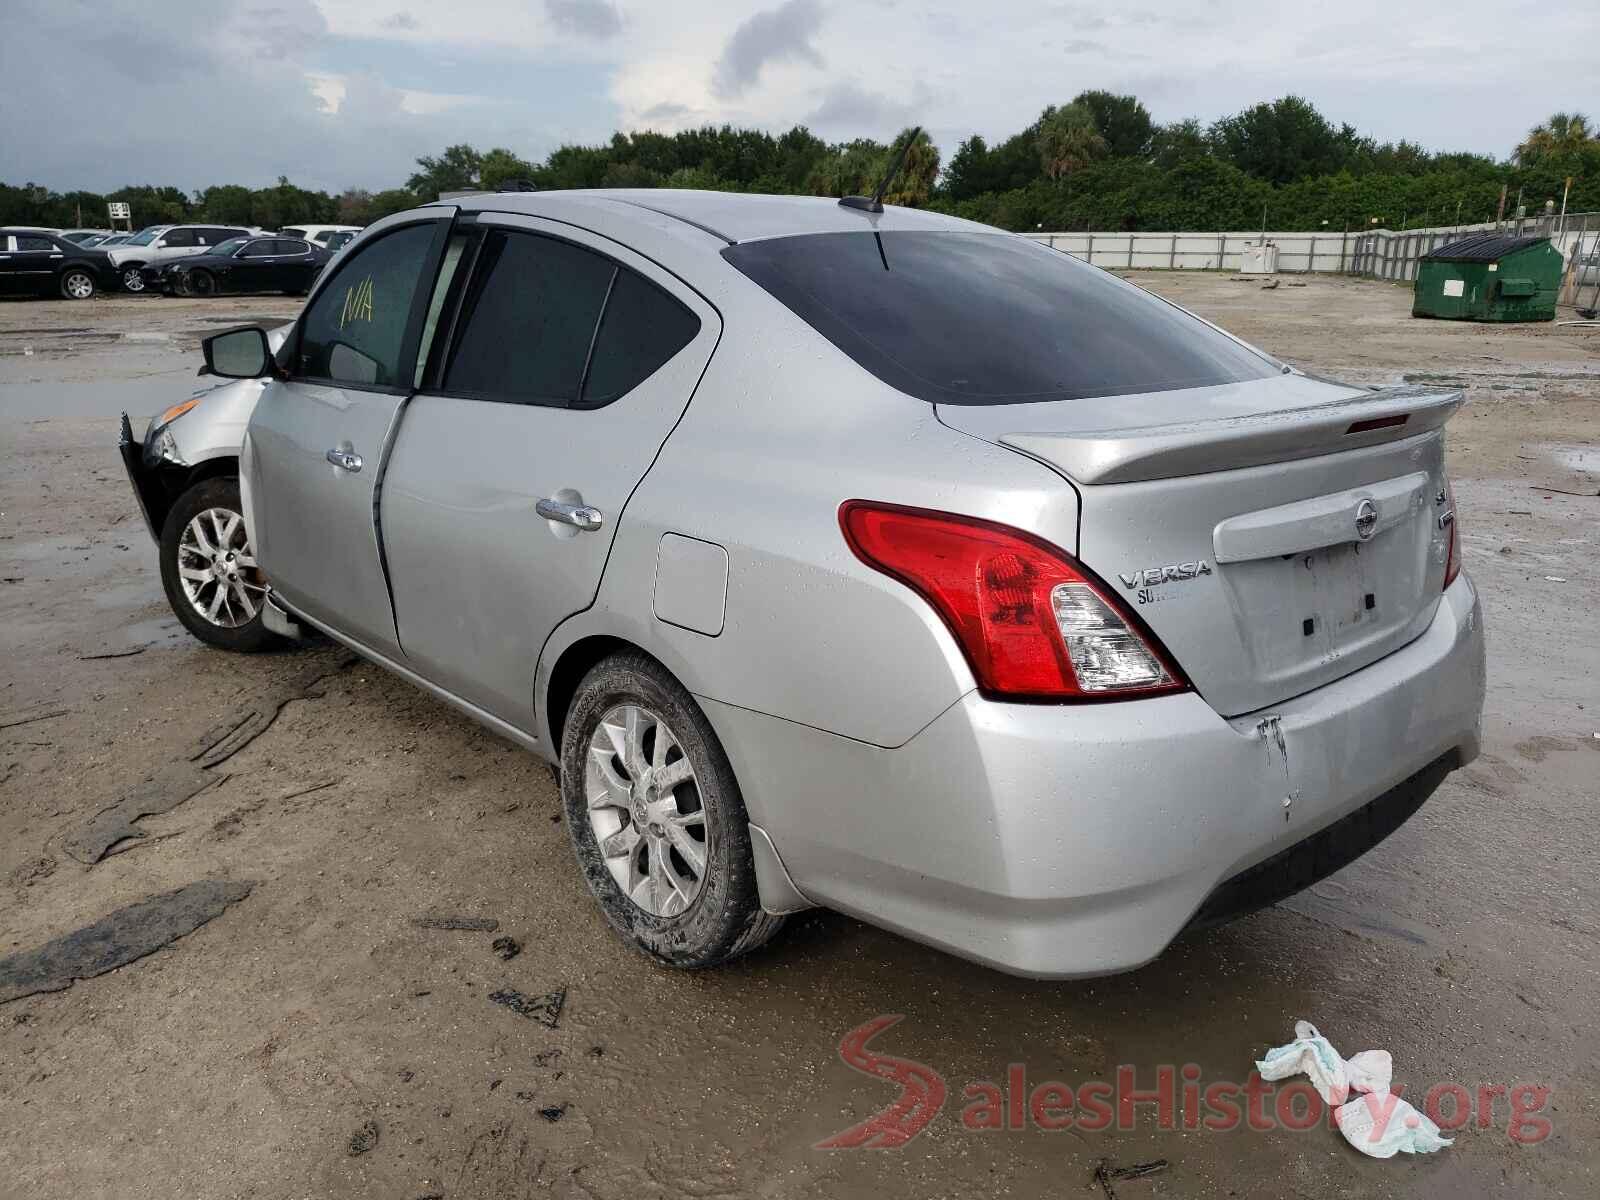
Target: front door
(571,361)
(31,262)
(254,268)
(316,442)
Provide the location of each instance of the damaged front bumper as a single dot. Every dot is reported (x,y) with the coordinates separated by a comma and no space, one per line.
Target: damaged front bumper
(147,487)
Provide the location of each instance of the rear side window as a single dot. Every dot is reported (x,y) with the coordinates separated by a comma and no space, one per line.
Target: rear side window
(354,332)
(642,328)
(548,322)
(977,318)
(26,241)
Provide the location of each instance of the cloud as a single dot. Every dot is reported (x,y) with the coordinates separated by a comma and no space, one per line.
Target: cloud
(584,18)
(402,21)
(848,109)
(783,34)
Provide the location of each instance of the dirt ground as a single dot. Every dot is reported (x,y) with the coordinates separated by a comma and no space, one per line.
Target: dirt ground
(311,1041)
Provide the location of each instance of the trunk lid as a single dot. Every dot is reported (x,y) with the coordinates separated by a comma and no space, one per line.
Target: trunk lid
(1275,535)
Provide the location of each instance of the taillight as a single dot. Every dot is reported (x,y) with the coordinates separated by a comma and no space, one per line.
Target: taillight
(1032,622)
(1452,562)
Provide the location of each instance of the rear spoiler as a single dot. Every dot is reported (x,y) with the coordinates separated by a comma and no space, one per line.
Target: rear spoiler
(1196,448)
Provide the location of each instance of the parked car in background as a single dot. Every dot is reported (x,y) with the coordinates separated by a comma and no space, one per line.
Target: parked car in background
(42,264)
(247,264)
(78,236)
(317,233)
(162,243)
(185,476)
(338,240)
(115,239)
(876,560)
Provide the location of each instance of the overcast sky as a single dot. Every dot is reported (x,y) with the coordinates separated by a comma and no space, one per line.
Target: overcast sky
(346,93)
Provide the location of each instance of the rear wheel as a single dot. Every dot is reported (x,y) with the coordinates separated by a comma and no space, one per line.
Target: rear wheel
(656,818)
(201,282)
(208,568)
(77,284)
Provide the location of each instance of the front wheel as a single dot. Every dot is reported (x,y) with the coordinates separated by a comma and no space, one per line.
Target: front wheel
(209,570)
(656,818)
(132,281)
(77,284)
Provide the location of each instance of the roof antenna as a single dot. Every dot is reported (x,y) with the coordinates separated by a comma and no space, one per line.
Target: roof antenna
(874,204)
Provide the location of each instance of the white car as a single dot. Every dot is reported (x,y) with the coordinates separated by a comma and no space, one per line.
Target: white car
(159,243)
(318,233)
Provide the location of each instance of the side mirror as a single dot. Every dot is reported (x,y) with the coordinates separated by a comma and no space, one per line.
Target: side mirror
(239,354)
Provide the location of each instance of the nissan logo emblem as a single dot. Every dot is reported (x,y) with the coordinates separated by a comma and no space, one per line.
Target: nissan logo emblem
(1366,519)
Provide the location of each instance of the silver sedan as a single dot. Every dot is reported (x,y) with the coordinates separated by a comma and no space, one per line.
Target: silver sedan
(869,559)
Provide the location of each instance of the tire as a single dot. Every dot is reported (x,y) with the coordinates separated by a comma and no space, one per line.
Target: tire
(77,284)
(132,281)
(209,506)
(200,282)
(723,918)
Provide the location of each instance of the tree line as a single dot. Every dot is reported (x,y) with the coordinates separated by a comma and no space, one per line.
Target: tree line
(1097,162)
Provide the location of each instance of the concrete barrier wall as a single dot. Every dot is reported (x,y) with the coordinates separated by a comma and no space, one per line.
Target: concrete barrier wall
(1378,253)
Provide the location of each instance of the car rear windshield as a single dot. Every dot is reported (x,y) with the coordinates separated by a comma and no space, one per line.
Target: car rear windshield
(979,318)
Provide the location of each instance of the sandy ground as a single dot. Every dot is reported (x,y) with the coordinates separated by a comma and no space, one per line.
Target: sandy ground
(313,1019)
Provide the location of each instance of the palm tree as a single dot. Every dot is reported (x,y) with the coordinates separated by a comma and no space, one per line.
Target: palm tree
(1563,133)
(1069,140)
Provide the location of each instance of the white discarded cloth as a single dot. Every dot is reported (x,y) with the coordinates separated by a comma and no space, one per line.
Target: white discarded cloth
(1370,1071)
(1314,1056)
(1381,1125)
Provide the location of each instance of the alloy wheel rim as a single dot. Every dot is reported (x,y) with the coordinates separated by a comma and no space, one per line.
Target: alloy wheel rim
(78,286)
(132,280)
(218,570)
(645,810)
(200,283)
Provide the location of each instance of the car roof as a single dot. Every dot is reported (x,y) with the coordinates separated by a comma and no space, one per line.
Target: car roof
(730,216)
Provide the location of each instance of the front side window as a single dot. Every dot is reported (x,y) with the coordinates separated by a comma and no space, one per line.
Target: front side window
(258,249)
(528,319)
(178,238)
(354,332)
(231,247)
(981,318)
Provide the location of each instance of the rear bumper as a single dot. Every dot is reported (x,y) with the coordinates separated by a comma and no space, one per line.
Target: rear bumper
(1059,841)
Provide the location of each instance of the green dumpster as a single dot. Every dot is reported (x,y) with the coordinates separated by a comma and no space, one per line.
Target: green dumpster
(1489,277)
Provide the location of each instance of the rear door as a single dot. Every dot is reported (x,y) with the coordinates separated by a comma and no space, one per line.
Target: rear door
(571,361)
(316,442)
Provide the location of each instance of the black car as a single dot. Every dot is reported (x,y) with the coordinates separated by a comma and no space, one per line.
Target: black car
(246,264)
(41,264)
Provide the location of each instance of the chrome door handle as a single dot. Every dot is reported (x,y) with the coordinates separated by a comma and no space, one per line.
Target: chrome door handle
(345,460)
(580,515)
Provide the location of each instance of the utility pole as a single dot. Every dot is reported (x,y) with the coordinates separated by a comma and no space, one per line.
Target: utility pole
(1500,213)
(1565,189)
